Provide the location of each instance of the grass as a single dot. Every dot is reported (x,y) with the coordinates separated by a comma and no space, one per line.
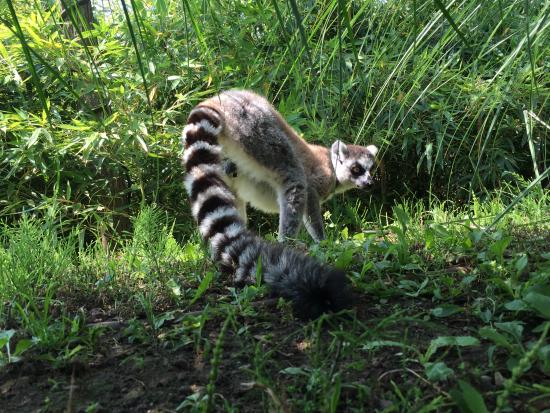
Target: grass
(108,300)
(449,315)
(455,95)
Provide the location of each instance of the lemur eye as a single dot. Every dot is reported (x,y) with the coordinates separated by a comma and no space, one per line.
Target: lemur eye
(357,170)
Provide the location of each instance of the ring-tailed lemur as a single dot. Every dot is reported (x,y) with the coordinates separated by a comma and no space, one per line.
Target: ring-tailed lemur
(275,170)
(313,288)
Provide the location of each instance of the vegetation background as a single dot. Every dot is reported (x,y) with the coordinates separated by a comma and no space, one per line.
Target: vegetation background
(93,97)
(455,96)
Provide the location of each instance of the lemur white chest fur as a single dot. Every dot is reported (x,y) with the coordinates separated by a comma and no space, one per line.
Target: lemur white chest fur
(252,182)
(273,169)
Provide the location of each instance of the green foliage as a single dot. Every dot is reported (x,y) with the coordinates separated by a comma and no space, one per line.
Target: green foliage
(20,348)
(203,286)
(33,260)
(454,95)
(459,320)
(152,246)
(449,261)
(468,399)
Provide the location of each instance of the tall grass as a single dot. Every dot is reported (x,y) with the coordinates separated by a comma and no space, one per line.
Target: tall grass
(455,93)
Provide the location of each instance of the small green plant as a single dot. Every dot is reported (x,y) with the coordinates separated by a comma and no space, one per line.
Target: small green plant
(6,355)
(217,353)
(522,366)
(150,249)
(468,399)
(33,260)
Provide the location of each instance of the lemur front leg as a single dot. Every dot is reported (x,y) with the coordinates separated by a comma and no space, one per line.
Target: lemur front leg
(313,219)
(292,203)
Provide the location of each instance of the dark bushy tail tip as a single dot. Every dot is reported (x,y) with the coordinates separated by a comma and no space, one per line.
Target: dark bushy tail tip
(330,293)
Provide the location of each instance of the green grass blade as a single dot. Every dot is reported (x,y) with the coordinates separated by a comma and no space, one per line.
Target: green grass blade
(139,24)
(529,46)
(138,56)
(518,198)
(451,21)
(74,13)
(196,28)
(539,27)
(300,26)
(340,70)
(280,18)
(344,13)
(529,132)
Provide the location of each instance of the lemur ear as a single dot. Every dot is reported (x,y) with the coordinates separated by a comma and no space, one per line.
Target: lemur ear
(339,150)
(373,150)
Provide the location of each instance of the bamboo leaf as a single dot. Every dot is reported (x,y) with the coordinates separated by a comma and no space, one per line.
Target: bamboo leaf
(36,80)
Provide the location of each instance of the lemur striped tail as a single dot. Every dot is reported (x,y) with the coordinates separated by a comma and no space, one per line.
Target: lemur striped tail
(313,288)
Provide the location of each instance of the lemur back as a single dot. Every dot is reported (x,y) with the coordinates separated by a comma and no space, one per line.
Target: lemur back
(312,287)
(275,170)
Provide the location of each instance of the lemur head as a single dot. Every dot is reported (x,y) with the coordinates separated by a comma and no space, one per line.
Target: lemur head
(352,164)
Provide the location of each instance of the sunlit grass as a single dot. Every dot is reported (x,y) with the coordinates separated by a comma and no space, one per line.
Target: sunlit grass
(448,255)
(453,116)
(414,277)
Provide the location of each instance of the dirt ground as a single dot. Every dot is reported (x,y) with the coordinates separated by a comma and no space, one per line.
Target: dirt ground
(121,376)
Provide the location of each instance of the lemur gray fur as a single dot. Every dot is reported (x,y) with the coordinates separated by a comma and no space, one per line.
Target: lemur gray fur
(313,288)
(274,170)
(265,144)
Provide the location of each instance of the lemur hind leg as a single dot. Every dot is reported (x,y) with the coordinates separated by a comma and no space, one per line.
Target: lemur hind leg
(287,176)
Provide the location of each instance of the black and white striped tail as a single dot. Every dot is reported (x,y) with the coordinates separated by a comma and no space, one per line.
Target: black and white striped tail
(313,288)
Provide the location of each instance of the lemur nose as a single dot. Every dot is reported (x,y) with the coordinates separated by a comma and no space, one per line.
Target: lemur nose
(367,182)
